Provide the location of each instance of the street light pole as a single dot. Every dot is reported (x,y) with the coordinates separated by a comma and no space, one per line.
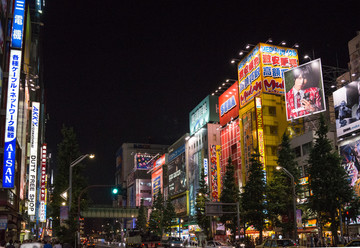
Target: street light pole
(75,162)
(294,198)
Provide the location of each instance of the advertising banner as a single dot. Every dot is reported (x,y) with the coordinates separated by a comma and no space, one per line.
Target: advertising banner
(33,159)
(142,161)
(206,111)
(11,119)
(18,24)
(177,175)
(347,108)
(260,132)
(350,154)
(180,205)
(157,181)
(248,139)
(304,90)
(229,104)
(43,181)
(262,70)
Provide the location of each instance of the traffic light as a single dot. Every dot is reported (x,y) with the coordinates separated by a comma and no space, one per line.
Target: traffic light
(114,191)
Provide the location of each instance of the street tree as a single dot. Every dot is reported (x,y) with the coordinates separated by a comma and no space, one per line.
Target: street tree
(67,152)
(201,199)
(156,216)
(279,194)
(169,216)
(141,220)
(253,195)
(230,194)
(328,181)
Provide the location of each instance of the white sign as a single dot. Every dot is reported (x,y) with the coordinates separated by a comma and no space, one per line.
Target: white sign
(11,119)
(33,158)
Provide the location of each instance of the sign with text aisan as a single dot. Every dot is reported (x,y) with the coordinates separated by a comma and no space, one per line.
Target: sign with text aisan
(11,119)
(33,158)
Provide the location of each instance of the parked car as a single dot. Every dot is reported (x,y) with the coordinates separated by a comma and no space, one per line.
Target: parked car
(354,242)
(217,244)
(172,242)
(278,243)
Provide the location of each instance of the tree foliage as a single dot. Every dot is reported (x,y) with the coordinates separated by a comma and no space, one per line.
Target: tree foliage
(229,194)
(169,216)
(328,180)
(156,216)
(201,198)
(67,152)
(253,196)
(141,221)
(279,194)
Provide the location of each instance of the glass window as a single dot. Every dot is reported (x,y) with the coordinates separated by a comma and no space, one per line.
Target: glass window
(273,130)
(272,111)
(306,148)
(297,151)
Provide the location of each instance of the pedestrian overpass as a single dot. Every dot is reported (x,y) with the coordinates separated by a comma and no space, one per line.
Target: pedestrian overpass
(110,212)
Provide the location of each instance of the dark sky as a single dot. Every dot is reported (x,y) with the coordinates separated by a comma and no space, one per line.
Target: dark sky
(131,71)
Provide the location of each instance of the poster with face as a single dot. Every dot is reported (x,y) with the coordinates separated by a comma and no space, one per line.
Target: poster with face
(304,90)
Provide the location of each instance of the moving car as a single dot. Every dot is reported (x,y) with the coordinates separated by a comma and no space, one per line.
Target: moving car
(278,243)
(172,242)
(217,244)
(354,242)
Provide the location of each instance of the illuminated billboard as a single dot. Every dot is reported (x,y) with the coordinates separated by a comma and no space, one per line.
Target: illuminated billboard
(204,112)
(350,154)
(262,70)
(260,132)
(304,90)
(347,108)
(43,181)
(18,24)
(229,104)
(215,176)
(33,158)
(177,172)
(157,175)
(143,161)
(8,178)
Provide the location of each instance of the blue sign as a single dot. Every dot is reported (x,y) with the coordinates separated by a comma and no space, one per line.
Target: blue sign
(18,24)
(176,153)
(11,119)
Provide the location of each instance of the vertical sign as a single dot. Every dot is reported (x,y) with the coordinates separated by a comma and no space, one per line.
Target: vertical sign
(42,212)
(18,24)
(260,132)
(206,168)
(33,158)
(11,119)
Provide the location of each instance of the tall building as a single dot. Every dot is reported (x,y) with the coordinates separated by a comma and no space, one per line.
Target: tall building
(22,121)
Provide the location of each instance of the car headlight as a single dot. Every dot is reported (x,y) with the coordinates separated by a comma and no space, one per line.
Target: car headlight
(182,245)
(172,244)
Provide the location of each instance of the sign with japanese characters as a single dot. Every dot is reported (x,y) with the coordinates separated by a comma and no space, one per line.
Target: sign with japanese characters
(33,158)
(157,181)
(229,104)
(43,181)
(262,70)
(260,132)
(11,119)
(18,24)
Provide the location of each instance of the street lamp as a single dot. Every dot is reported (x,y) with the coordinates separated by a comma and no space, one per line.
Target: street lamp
(294,197)
(75,162)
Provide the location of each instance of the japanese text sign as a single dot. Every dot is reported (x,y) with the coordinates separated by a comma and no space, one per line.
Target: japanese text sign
(229,104)
(11,119)
(18,24)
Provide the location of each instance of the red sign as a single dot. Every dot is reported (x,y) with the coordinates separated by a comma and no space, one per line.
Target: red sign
(229,104)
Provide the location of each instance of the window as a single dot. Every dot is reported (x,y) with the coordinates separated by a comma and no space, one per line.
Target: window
(272,111)
(306,148)
(297,151)
(273,130)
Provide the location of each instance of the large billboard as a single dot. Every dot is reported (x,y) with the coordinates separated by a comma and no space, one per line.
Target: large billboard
(350,154)
(204,112)
(143,161)
(177,172)
(33,159)
(304,90)
(229,104)
(18,24)
(11,119)
(347,108)
(262,71)
(157,176)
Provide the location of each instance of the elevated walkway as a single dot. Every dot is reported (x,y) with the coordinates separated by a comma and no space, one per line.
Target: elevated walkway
(110,212)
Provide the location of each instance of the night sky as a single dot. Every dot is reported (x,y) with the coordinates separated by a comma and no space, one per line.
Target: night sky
(131,71)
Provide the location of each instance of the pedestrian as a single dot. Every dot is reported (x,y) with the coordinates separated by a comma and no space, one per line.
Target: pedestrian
(2,244)
(11,244)
(47,244)
(57,244)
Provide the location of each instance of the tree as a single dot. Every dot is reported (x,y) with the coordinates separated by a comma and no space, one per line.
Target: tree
(169,216)
(253,196)
(141,220)
(201,198)
(229,194)
(328,181)
(156,216)
(67,151)
(279,194)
